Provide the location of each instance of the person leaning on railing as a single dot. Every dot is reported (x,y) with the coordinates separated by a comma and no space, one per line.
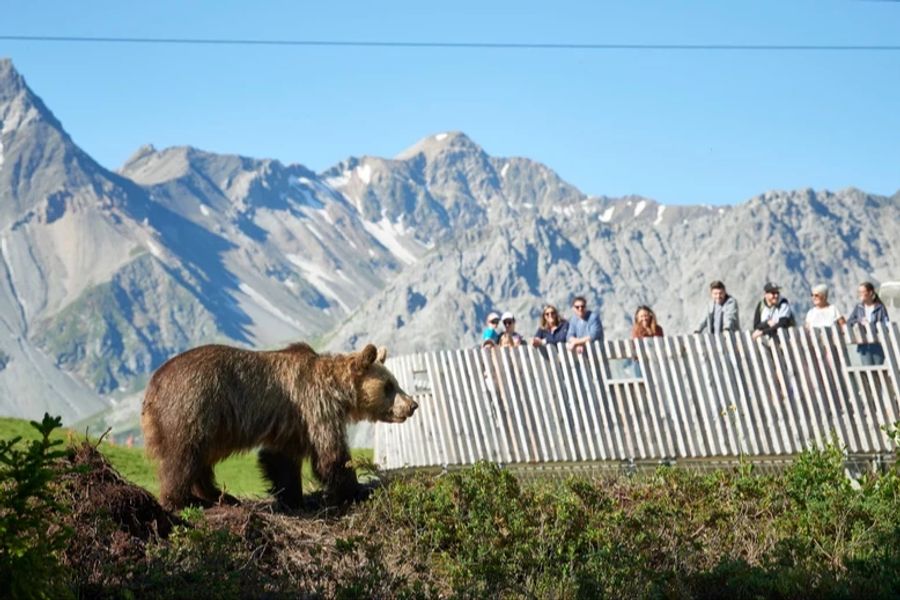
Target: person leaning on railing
(584,326)
(552,328)
(772,313)
(510,338)
(869,310)
(722,314)
(490,336)
(823,314)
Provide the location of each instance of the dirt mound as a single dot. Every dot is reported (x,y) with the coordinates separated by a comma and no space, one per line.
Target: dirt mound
(111,519)
(94,488)
(125,544)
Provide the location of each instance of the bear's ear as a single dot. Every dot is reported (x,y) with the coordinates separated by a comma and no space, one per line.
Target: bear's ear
(365,358)
(382,355)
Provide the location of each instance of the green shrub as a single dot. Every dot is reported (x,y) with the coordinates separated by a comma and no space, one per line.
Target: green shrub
(807,532)
(29,538)
(197,561)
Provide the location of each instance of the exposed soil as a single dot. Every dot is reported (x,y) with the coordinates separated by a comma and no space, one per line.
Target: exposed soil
(122,543)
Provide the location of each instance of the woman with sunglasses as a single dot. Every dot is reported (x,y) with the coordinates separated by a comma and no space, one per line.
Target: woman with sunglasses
(823,314)
(552,329)
(510,338)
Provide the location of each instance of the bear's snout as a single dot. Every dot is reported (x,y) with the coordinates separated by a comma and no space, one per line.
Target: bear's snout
(404,407)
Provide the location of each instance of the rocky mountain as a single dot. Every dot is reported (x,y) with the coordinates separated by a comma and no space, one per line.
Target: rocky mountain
(104,275)
(638,253)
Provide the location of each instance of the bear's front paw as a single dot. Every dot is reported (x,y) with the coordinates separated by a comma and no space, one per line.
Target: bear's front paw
(226,499)
(363,492)
(344,493)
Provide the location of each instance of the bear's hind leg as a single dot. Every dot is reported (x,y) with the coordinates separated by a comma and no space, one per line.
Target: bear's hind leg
(283,472)
(174,487)
(205,489)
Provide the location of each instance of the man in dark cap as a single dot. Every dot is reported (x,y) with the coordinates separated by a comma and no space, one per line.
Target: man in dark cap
(772,313)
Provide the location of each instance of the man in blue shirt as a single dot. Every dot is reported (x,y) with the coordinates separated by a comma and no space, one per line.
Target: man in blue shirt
(584,326)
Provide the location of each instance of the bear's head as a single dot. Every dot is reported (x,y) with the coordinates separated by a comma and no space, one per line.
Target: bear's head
(379,396)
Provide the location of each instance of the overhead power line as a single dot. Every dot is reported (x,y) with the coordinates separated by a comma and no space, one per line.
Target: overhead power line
(454,45)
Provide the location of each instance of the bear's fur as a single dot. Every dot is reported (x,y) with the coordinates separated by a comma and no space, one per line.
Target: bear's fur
(210,402)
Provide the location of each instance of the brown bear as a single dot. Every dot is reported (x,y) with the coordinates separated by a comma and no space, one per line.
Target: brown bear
(210,402)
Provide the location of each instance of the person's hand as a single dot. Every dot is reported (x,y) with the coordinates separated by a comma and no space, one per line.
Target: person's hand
(756,334)
(536,341)
(570,345)
(773,322)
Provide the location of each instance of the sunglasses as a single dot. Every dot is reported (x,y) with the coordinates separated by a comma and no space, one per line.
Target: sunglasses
(494,321)
(508,321)
(578,306)
(550,313)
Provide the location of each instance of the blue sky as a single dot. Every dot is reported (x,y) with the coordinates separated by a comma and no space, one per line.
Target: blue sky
(711,127)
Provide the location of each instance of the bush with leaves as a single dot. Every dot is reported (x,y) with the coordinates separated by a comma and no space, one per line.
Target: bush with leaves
(30,539)
(809,531)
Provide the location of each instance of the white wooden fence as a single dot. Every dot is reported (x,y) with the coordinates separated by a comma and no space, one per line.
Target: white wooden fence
(658,399)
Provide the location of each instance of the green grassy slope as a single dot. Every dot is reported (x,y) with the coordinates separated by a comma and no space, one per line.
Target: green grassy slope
(237,475)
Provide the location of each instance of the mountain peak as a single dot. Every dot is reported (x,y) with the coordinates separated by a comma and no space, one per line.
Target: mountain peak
(18,104)
(10,80)
(433,145)
(141,153)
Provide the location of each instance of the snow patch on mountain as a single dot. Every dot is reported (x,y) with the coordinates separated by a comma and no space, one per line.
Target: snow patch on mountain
(364,172)
(607,214)
(338,181)
(639,207)
(267,306)
(390,235)
(319,278)
(659,214)
(314,231)
(5,255)
(155,250)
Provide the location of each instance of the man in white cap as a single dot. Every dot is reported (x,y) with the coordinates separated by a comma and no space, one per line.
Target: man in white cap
(509,337)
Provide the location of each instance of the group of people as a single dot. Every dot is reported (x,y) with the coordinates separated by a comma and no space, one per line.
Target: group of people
(772,312)
(576,332)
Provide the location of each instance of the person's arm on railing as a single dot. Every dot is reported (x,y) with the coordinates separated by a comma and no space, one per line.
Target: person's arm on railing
(730,319)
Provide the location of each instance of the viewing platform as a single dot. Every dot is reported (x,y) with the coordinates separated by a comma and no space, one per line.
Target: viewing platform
(683,400)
